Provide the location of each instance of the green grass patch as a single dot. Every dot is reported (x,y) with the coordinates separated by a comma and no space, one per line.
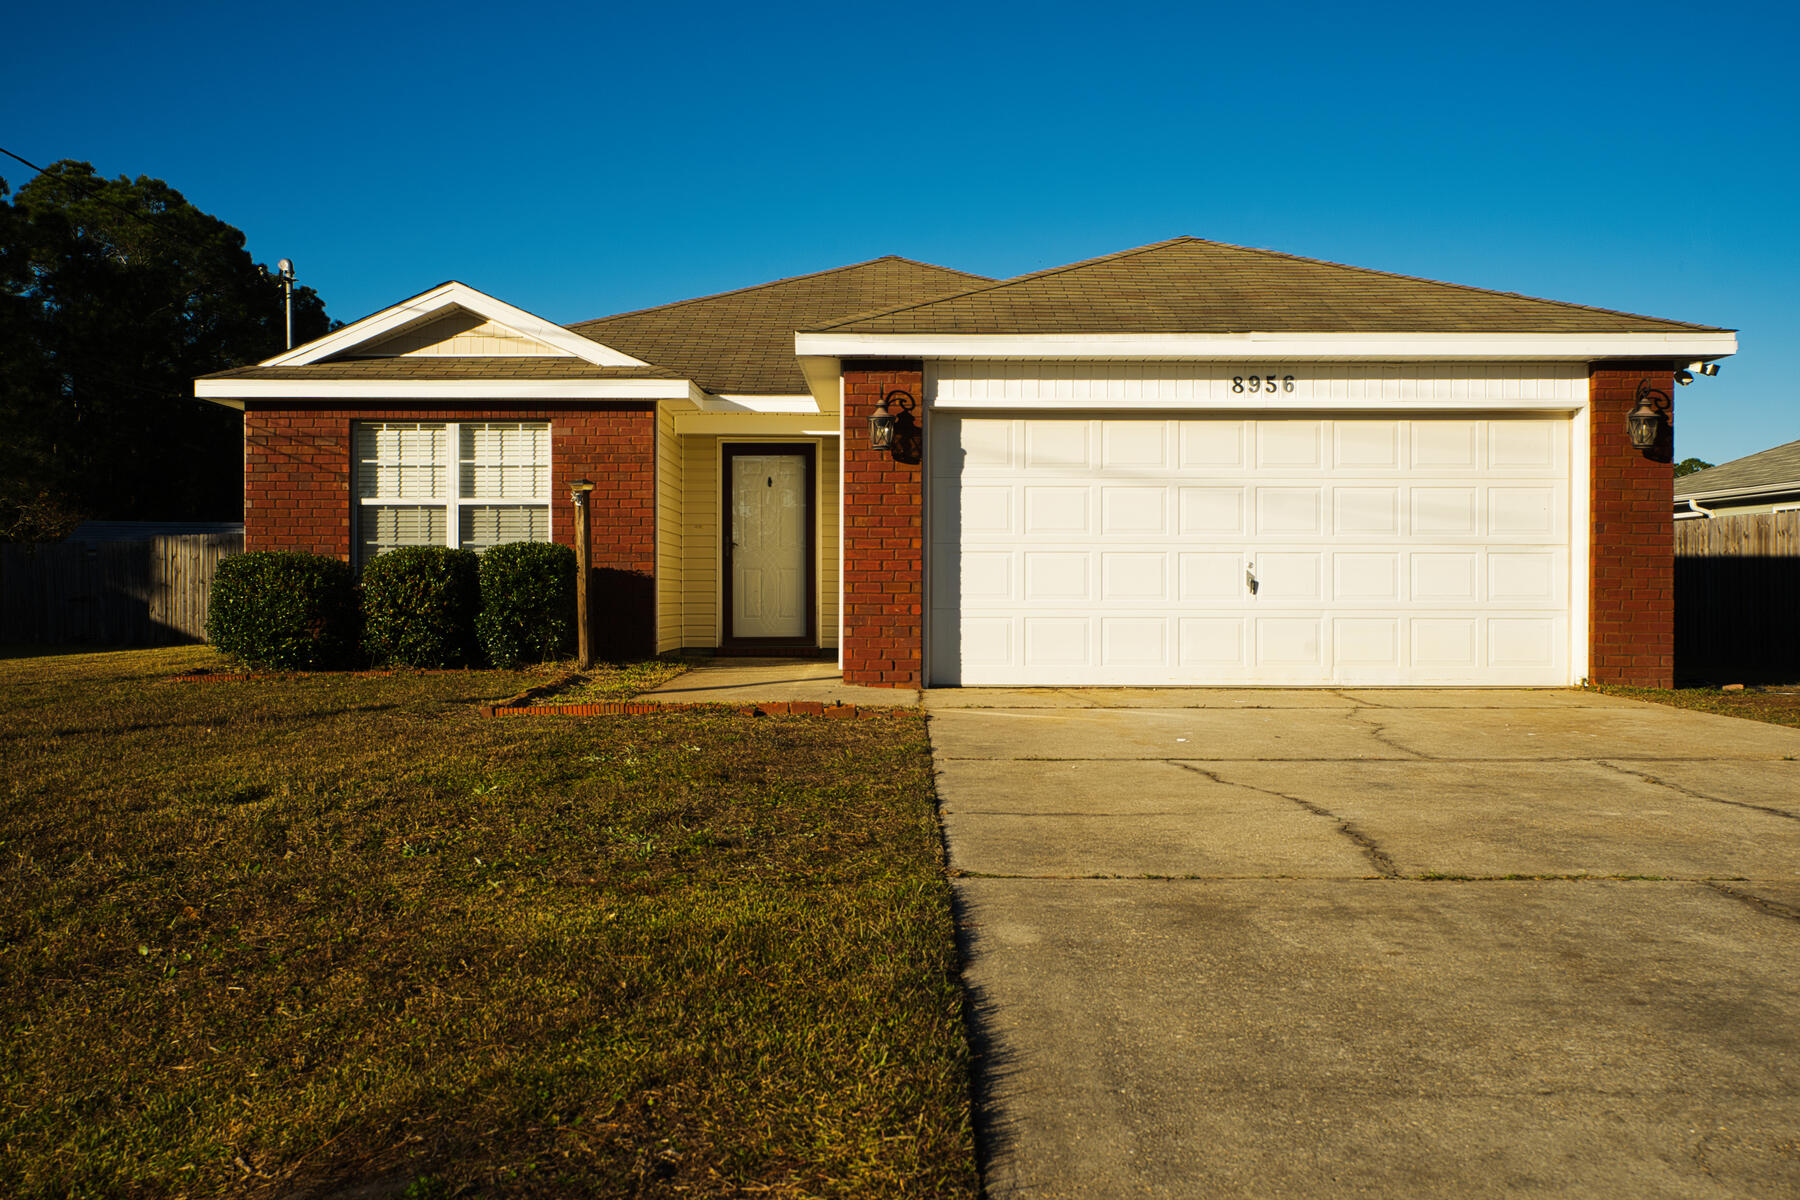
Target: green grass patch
(296,936)
(616,681)
(1775,705)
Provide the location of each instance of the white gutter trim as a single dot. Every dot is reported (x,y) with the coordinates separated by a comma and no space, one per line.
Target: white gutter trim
(1695,346)
(731,402)
(1736,493)
(457,390)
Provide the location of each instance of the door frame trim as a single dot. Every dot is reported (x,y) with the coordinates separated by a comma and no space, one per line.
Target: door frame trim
(808,452)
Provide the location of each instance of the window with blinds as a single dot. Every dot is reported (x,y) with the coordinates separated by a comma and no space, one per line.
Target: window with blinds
(410,491)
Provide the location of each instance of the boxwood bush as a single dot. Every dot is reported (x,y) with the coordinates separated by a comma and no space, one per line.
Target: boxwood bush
(418,607)
(283,608)
(527,602)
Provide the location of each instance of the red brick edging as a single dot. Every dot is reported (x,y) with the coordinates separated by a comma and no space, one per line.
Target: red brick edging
(641,708)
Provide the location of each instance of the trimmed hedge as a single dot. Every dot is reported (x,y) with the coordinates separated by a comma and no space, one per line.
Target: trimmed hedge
(419,605)
(527,603)
(283,608)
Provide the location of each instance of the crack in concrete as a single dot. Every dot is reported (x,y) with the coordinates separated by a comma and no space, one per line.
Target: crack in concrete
(1363,714)
(1773,908)
(1371,850)
(1690,792)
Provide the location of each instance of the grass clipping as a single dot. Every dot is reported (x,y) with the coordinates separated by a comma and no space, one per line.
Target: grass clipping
(292,937)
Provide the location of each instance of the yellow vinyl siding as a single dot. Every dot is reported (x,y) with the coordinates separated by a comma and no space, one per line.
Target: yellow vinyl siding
(828,542)
(700,541)
(670,597)
(463,334)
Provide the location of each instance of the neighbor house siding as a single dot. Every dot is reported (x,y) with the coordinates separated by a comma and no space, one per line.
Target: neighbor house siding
(669,561)
(297,463)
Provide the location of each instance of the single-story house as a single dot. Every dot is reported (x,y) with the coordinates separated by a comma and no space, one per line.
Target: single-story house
(1187,463)
(1767,481)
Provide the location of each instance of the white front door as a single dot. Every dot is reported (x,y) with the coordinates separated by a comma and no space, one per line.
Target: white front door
(1366,550)
(767,550)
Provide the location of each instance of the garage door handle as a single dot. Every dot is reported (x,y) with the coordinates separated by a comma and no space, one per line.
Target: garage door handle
(1250,578)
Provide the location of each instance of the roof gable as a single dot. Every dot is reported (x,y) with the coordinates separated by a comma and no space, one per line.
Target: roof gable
(467,309)
(1192,286)
(743,341)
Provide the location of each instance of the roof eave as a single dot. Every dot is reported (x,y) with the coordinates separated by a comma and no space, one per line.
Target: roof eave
(234,392)
(1684,345)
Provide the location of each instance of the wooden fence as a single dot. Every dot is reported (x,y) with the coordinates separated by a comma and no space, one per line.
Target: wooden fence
(147,593)
(1737,599)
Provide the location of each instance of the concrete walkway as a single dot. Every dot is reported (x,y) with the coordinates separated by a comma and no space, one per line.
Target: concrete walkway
(757,680)
(1433,944)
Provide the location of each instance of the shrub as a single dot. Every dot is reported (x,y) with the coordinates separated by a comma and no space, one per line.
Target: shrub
(283,608)
(419,607)
(527,602)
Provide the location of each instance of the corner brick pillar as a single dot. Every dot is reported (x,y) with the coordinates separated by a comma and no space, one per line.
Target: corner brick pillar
(884,535)
(1631,533)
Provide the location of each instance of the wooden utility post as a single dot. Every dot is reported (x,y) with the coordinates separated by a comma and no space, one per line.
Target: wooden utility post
(584,646)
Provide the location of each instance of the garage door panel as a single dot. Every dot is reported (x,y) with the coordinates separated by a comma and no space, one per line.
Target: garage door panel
(1385,551)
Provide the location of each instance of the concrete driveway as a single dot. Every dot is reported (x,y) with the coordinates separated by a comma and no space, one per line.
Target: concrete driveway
(1303,943)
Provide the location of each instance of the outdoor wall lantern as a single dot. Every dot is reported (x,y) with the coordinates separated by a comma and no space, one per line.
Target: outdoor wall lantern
(891,421)
(1645,422)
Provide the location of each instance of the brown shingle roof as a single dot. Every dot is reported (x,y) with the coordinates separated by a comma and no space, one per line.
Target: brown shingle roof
(432,367)
(743,341)
(1777,469)
(1188,285)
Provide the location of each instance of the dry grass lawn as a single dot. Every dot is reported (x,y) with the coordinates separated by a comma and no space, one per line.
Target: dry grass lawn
(335,936)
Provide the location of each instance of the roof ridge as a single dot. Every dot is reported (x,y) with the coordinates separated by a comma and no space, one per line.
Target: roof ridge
(1000,283)
(635,312)
(1465,287)
(1282,254)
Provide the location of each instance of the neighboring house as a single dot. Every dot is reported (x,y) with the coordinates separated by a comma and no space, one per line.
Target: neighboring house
(1767,481)
(1187,463)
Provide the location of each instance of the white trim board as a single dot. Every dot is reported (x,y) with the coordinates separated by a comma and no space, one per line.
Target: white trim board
(1696,346)
(439,301)
(447,390)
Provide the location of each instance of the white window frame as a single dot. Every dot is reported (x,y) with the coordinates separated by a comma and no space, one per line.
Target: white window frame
(454,503)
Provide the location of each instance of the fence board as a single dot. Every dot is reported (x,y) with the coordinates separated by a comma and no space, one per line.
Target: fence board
(151,592)
(1737,599)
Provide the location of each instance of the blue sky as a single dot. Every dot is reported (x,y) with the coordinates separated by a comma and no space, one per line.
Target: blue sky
(584,160)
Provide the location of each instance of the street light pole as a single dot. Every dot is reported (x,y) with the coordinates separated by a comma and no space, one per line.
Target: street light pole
(285,269)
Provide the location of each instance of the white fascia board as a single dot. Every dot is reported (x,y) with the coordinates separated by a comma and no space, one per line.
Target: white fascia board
(755,425)
(727,402)
(1697,346)
(435,303)
(449,390)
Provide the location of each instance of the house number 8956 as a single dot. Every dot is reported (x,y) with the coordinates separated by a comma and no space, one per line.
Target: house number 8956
(1262,383)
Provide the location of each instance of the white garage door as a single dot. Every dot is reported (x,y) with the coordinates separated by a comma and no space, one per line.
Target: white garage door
(1156,550)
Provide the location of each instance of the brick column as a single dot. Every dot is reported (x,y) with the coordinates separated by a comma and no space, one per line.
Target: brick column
(1631,533)
(884,536)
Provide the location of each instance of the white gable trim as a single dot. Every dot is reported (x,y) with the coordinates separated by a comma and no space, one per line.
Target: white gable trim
(439,301)
(1271,346)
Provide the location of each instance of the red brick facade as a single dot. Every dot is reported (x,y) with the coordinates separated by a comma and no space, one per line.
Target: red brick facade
(884,536)
(297,464)
(1631,535)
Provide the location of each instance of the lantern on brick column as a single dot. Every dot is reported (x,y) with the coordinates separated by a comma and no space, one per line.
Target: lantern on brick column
(1645,422)
(890,420)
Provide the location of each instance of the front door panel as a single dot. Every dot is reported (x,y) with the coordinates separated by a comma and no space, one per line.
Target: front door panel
(768,549)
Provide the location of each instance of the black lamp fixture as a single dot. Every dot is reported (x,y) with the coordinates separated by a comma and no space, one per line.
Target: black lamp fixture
(891,420)
(1645,422)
